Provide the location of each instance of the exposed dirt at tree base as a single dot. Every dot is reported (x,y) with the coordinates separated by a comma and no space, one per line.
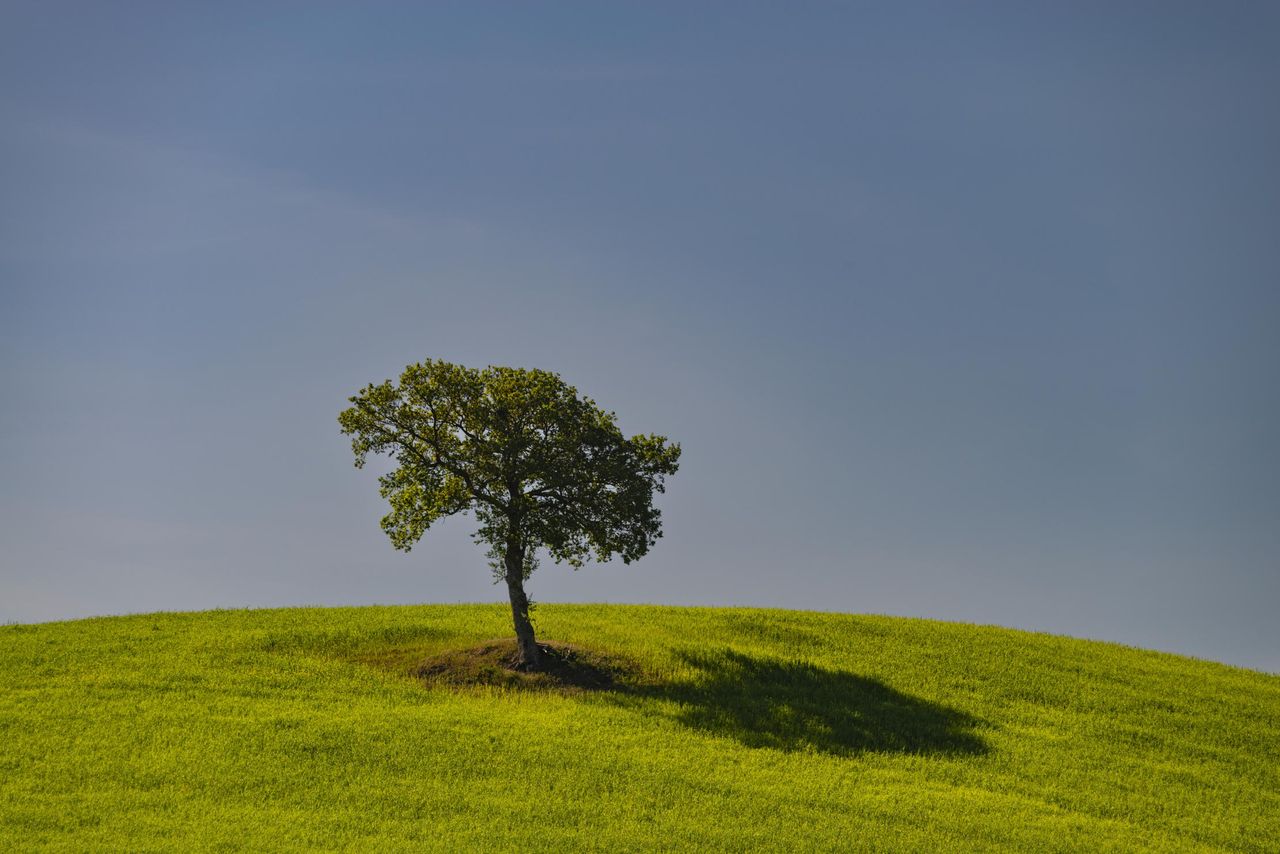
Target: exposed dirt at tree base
(496,663)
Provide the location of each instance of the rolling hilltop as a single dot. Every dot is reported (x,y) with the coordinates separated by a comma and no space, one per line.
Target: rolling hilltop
(397,728)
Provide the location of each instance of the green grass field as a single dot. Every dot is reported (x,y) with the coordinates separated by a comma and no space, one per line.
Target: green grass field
(728,729)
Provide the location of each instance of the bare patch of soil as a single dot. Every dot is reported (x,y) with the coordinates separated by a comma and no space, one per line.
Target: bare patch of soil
(564,667)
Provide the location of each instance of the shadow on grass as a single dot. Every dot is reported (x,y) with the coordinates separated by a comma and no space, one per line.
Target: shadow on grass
(759,701)
(793,706)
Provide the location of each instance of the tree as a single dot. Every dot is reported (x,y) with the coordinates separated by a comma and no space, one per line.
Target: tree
(539,466)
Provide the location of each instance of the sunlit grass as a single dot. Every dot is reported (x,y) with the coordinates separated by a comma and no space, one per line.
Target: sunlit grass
(728,729)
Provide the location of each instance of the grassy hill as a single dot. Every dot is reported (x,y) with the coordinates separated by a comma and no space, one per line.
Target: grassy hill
(715,729)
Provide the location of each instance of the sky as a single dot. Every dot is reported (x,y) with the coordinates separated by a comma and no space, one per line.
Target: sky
(958,311)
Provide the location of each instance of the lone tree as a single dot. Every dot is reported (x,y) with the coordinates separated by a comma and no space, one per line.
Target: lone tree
(540,466)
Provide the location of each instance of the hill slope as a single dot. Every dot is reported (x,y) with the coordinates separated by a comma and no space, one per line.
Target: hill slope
(303,728)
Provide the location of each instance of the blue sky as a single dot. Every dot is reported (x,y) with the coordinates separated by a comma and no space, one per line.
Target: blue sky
(963,311)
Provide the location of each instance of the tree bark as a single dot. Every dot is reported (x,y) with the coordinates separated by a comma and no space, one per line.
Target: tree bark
(514,560)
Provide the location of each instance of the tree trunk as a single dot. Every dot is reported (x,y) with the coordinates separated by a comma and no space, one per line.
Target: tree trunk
(514,559)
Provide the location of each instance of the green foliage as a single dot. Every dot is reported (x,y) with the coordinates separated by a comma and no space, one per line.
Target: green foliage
(302,729)
(540,466)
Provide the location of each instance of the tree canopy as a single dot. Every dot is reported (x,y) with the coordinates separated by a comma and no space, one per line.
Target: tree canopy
(541,467)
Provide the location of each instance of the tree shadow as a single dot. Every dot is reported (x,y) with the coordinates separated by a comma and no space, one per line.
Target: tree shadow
(795,706)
